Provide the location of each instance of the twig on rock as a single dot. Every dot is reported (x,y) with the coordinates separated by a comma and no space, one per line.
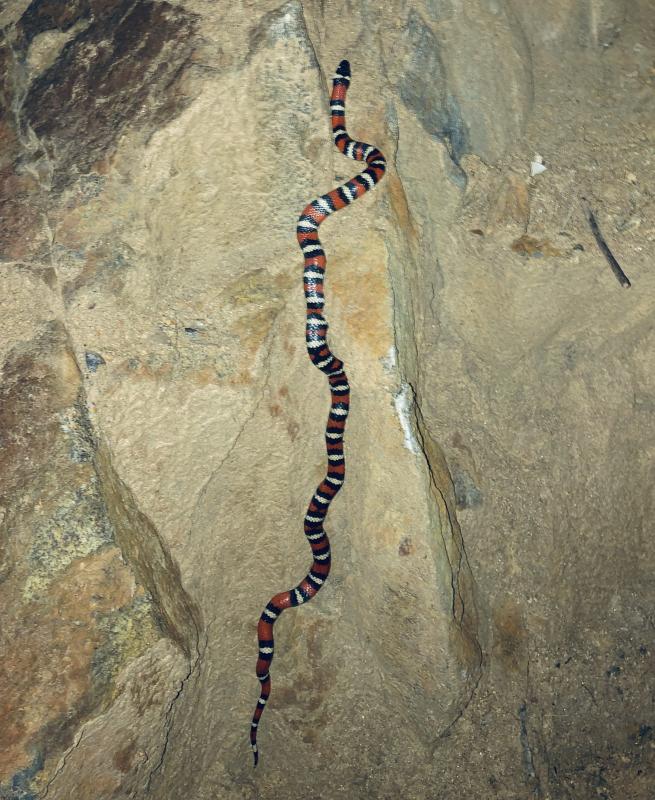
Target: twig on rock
(621,277)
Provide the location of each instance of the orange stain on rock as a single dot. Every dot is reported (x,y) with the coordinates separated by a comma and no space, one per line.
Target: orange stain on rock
(242,378)
(206,376)
(359,281)
(47,678)
(400,207)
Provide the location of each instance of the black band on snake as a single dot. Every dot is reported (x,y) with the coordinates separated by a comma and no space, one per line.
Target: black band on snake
(322,357)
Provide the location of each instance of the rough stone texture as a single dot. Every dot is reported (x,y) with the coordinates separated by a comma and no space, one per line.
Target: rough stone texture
(488,628)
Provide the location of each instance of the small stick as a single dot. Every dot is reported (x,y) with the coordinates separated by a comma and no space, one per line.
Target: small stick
(621,277)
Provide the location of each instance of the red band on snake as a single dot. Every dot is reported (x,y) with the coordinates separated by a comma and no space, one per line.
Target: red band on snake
(321,356)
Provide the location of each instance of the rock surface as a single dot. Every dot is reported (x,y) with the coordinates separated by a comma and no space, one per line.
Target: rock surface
(488,627)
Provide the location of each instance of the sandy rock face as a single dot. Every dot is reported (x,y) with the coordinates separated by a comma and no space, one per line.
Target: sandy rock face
(486,630)
(74,610)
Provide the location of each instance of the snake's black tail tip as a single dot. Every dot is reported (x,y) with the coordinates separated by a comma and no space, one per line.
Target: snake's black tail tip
(255,758)
(344,69)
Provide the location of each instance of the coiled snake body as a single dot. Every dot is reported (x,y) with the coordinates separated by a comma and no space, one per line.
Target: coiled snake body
(322,357)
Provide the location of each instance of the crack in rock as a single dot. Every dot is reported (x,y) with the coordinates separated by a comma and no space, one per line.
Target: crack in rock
(64,759)
(169,719)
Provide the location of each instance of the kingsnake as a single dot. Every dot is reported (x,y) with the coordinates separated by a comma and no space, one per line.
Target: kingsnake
(321,356)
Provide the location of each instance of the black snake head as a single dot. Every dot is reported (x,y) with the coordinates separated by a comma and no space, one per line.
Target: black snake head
(343,70)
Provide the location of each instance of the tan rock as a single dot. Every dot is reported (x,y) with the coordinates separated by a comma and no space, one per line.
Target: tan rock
(485,631)
(511,205)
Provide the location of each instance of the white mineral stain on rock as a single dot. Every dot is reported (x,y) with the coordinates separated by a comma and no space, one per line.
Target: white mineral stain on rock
(403,402)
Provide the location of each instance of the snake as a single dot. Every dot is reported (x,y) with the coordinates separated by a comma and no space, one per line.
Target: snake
(321,357)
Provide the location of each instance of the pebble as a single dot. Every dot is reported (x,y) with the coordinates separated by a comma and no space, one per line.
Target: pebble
(93,360)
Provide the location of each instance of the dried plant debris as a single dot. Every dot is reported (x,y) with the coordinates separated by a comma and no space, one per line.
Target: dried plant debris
(621,277)
(529,246)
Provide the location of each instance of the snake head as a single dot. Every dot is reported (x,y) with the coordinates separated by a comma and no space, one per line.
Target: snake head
(343,70)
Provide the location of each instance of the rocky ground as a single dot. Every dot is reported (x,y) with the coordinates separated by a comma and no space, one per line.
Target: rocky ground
(488,627)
